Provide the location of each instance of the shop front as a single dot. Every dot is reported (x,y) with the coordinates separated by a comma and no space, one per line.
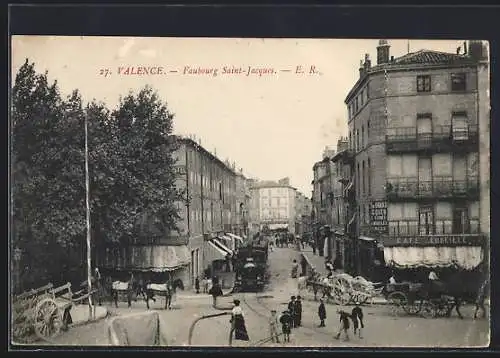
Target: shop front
(412,258)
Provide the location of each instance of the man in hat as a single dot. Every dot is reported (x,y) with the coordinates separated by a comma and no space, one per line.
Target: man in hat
(286,325)
(298,312)
(273,327)
(291,311)
(357,319)
(322,312)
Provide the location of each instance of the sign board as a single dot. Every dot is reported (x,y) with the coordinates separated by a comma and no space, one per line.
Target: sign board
(378,217)
(180,169)
(435,240)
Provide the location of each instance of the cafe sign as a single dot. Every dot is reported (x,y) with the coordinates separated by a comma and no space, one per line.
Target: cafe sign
(434,240)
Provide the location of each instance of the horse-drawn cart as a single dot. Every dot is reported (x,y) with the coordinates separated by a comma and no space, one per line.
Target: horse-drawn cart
(45,310)
(418,299)
(343,289)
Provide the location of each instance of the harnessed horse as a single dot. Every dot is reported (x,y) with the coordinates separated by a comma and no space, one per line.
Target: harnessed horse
(166,290)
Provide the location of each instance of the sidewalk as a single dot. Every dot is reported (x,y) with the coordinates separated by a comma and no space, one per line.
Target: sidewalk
(80,314)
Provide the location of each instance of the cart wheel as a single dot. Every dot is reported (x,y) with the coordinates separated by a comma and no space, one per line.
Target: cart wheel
(398,300)
(413,308)
(341,291)
(441,309)
(427,310)
(48,319)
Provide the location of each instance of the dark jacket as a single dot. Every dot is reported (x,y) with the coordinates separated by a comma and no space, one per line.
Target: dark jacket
(344,319)
(291,307)
(357,316)
(322,311)
(298,308)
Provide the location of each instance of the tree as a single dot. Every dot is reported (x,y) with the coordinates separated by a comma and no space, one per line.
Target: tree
(144,192)
(47,173)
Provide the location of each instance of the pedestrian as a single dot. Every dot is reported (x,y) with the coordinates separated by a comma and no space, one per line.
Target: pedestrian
(322,312)
(295,269)
(291,311)
(298,312)
(238,322)
(303,264)
(215,291)
(197,285)
(286,325)
(357,319)
(344,324)
(273,327)
(313,246)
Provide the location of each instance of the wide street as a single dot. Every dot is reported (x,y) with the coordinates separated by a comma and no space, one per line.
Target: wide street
(382,329)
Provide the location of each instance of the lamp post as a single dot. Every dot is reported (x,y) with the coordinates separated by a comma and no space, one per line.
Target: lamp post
(87,202)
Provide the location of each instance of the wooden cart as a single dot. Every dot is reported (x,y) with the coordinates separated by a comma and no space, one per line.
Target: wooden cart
(47,309)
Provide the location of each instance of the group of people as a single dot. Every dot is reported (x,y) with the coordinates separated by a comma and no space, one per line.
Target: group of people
(290,318)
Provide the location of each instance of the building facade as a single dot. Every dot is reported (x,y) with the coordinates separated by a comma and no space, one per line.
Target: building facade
(303,212)
(273,204)
(413,130)
(210,186)
(242,204)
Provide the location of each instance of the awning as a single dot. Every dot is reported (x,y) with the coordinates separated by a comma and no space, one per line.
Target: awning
(466,257)
(157,258)
(235,237)
(213,252)
(228,242)
(278,226)
(366,238)
(221,246)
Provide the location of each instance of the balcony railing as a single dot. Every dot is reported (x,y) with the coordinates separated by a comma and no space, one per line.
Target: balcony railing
(438,187)
(442,138)
(404,228)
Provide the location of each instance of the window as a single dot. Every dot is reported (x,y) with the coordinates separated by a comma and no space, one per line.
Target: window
(363,175)
(426,220)
(368,131)
(458,82)
(424,83)
(362,137)
(357,139)
(362,98)
(459,126)
(350,141)
(369,177)
(358,181)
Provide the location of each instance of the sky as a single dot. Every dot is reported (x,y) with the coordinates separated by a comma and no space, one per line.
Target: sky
(272,125)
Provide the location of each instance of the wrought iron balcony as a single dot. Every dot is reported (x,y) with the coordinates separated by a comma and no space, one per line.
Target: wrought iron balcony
(438,233)
(443,138)
(438,187)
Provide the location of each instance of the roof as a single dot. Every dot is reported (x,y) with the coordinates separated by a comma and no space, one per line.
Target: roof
(198,147)
(270,184)
(415,59)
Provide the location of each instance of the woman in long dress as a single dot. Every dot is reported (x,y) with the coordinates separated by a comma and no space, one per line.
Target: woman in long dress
(238,322)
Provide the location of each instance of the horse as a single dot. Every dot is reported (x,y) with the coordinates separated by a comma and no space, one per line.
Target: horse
(454,291)
(167,290)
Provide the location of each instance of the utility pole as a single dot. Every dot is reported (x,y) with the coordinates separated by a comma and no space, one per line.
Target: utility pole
(87,201)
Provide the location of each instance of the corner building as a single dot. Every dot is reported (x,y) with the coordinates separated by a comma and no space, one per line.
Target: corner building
(413,128)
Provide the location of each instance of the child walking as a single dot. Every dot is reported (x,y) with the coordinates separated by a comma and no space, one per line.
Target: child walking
(344,324)
(273,327)
(286,325)
(322,312)
(357,319)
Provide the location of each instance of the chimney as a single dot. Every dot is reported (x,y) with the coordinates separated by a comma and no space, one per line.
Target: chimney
(476,50)
(361,68)
(382,52)
(392,58)
(368,62)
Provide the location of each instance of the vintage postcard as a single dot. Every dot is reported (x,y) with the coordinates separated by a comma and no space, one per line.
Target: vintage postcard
(249,192)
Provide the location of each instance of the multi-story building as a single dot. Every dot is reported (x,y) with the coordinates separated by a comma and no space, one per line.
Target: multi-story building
(210,186)
(242,204)
(302,214)
(413,128)
(273,205)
